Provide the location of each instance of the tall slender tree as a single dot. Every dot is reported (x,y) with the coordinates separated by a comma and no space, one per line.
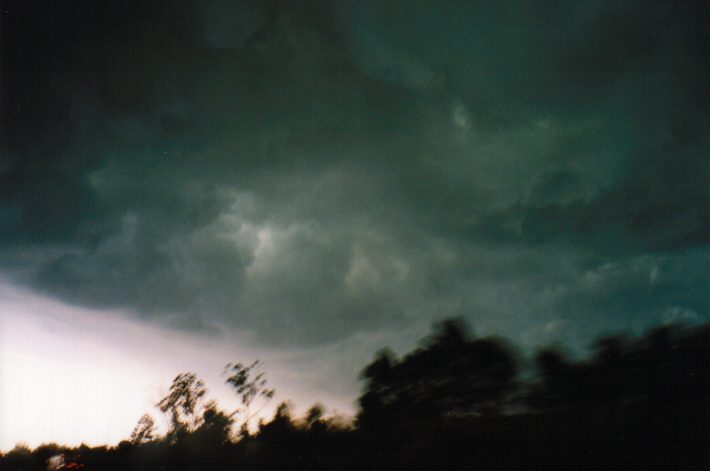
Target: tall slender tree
(183,403)
(251,387)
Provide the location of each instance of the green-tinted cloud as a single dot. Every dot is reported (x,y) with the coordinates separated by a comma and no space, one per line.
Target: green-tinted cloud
(308,170)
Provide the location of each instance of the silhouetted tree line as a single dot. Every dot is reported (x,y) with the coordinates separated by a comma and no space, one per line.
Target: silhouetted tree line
(455,401)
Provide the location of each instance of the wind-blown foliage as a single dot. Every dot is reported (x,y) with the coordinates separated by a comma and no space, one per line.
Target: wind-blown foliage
(182,403)
(250,387)
(144,431)
(456,402)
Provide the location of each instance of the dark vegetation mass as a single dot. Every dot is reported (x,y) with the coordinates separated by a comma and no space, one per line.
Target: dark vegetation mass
(457,402)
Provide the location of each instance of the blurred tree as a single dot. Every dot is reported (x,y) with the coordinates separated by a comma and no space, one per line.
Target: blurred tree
(183,403)
(249,388)
(144,430)
(215,426)
(449,376)
(314,415)
(281,428)
(666,370)
(559,381)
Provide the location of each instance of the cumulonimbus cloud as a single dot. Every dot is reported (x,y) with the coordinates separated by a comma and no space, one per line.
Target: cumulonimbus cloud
(308,170)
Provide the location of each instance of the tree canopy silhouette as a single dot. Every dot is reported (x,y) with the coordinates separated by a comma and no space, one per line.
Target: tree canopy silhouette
(250,386)
(450,375)
(183,404)
(144,430)
(456,402)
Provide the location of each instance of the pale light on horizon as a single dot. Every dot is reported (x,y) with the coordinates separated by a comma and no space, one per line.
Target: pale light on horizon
(72,375)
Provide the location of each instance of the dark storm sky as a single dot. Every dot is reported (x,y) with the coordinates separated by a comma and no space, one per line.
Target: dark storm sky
(311,170)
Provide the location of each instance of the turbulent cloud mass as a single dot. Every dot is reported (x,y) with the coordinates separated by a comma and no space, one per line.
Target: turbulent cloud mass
(309,171)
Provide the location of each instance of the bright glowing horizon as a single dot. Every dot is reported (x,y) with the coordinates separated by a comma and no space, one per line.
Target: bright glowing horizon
(71,375)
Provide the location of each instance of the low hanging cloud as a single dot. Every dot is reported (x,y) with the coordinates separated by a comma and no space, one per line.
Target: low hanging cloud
(307,171)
